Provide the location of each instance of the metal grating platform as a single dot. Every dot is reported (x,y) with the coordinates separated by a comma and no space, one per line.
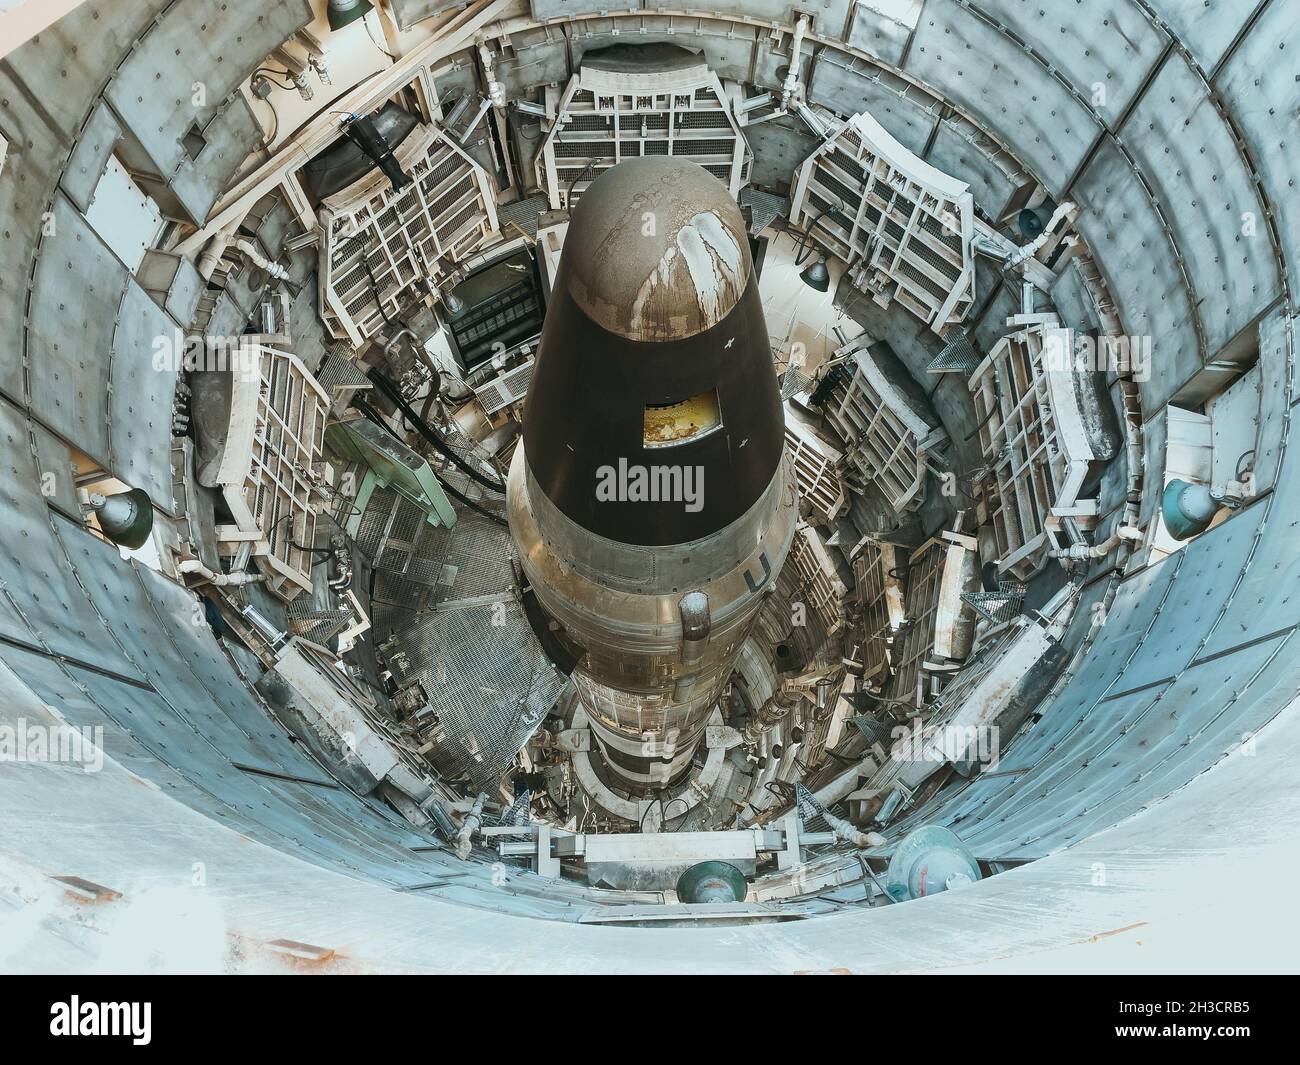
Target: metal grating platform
(522,213)
(448,596)
(767,206)
(958,355)
(999,606)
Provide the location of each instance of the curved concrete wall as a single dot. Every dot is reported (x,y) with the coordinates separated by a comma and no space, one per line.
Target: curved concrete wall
(1190,137)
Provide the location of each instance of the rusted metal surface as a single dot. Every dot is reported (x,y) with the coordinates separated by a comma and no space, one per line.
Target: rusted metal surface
(675,422)
(666,251)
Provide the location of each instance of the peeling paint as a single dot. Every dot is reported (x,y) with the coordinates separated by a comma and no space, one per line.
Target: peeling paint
(714,265)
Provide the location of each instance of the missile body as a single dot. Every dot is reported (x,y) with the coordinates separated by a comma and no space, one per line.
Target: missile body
(650,501)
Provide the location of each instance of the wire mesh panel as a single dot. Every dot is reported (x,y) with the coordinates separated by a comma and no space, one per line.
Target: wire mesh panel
(1000,606)
(958,355)
(488,682)
(879,590)
(506,389)
(940,626)
(887,438)
(1033,438)
(381,245)
(766,206)
(903,227)
(666,103)
(447,617)
(269,465)
(815,464)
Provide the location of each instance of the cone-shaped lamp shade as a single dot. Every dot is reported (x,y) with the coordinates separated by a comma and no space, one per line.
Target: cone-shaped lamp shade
(125,518)
(342,13)
(817,276)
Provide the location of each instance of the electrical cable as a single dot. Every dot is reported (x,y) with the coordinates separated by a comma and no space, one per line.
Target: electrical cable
(804,248)
(993,407)
(390,389)
(275,125)
(374,283)
(284,73)
(650,806)
(663,810)
(568,196)
(375,40)
(370,412)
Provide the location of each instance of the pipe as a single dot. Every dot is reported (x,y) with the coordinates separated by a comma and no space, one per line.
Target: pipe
(342,564)
(1101,550)
(812,120)
(215,249)
(469,826)
(846,833)
(221,580)
(496,91)
(792,75)
(258,259)
(1025,251)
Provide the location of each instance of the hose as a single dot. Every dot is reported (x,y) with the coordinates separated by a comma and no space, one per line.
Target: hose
(370,412)
(390,389)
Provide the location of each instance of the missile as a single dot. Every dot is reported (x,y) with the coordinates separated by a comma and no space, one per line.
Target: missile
(650,501)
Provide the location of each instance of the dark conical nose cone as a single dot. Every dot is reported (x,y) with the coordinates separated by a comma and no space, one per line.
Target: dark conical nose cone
(654,356)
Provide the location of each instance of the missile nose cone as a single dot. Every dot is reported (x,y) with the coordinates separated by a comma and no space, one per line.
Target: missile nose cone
(653,415)
(665,253)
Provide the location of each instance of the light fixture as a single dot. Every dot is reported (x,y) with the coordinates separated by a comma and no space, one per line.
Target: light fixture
(363,132)
(454,304)
(342,13)
(1187,508)
(1033,220)
(448,278)
(712,882)
(817,276)
(929,859)
(125,518)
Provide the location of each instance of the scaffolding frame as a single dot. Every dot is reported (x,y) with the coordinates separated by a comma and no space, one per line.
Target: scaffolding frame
(879,591)
(270,464)
(887,442)
(902,227)
(448,209)
(602,117)
(1033,437)
(940,627)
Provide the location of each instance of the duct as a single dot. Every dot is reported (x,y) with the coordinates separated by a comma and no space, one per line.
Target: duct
(846,833)
(791,86)
(1063,213)
(215,249)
